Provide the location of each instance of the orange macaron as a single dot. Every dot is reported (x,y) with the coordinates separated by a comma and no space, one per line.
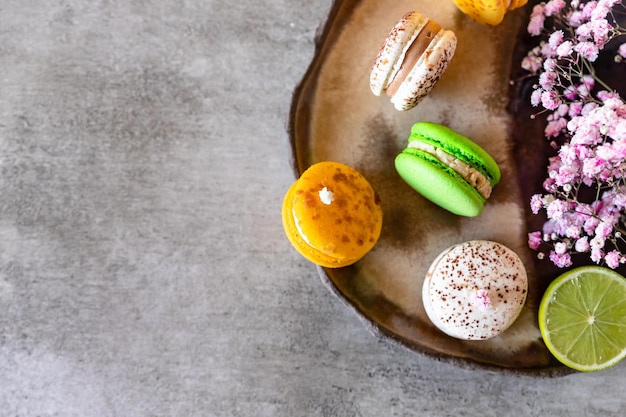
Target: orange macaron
(331,215)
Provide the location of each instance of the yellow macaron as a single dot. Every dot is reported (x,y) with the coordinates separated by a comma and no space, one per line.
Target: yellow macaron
(331,215)
(488,12)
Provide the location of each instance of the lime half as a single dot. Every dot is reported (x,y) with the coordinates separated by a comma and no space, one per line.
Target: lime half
(582,318)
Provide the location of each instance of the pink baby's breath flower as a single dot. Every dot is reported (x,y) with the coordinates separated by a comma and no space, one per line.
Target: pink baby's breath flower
(568,174)
(547,51)
(554,7)
(572,231)
(590,225)
(560,248)
(547,79)
(481,299)
(534,240)
(582,244)
(535,98)
(612,259)
(601,32)
(550,65)
(550,99)
(603,231)
(588,9)
(592,167)
(576,19)
(531,63)
(555,127)
(565,49)
(588,81)
(596,254)
(562,260)
(587,50)
(536,203)
(587,127)
(556,39)
(537,19)
(588,107)
(556,209)
(605,96)
(583,32)
(599,11)
(575,108)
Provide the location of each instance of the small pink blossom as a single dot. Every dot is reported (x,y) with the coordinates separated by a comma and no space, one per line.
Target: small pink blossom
(554,7)
(547,79)
(612,259)
(582,244)
(603,230)
(576,19)
(481,299)
(556,209)
(550,100)
(565,49)
(550,65)
(561,260)
(535,98)
(537,18)
(556,39)
(555,127)
(534,240)
(531,63)
(587,50)
(575,109)
(596,254)
(536,203)
(588,9)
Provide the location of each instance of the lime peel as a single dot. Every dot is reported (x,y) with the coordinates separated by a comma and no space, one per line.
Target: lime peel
(582,318)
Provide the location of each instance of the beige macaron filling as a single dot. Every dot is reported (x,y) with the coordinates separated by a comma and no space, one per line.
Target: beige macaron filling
(469,174)
(412,53)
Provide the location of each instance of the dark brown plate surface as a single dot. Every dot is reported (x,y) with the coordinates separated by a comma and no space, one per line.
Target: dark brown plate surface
(335,117)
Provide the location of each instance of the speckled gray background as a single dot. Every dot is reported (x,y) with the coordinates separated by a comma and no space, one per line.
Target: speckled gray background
(143,267)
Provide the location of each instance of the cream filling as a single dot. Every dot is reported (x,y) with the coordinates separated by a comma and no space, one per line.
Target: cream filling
(398,64)
(469,174)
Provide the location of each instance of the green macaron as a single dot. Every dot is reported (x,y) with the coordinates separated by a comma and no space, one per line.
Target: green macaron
(448,168)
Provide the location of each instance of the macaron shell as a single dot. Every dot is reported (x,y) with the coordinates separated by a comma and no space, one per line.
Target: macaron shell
(438,183)
(516,4)
(450,288)
(426,73)
(486,12)
(458,145)
(296,240)
(335,234)
(393,48)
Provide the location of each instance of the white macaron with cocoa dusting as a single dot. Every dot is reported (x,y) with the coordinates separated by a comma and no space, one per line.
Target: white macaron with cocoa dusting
(475,290)
(411,60)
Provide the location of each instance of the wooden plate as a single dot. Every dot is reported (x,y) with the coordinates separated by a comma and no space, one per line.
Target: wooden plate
(335,117)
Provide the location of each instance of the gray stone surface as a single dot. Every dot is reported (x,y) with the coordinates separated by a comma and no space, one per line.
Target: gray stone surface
(143,267)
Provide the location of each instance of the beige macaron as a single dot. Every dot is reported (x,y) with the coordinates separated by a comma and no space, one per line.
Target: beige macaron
(475,290)
(411,60)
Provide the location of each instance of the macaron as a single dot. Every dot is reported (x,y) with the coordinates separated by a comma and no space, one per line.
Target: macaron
(488,12)
(411,60)
(475,290)
(331,215)
(448,168)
